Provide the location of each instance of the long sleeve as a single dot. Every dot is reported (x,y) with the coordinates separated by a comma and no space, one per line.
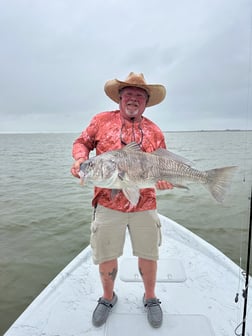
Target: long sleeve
(86,142)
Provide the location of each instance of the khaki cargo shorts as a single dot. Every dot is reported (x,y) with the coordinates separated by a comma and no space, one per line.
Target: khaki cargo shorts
(108,230)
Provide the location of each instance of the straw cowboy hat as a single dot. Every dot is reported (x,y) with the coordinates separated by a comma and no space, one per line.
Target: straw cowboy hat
(156,92)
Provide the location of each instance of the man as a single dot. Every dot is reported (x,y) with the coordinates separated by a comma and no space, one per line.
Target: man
(112,216)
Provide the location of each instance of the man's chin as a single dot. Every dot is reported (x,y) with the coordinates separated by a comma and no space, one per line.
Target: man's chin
(132,113)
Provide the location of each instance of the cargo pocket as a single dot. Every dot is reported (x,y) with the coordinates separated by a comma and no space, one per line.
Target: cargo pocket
(159,233)
(93,229)
(157,221)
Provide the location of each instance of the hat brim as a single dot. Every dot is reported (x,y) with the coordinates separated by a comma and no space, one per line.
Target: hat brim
(156,92)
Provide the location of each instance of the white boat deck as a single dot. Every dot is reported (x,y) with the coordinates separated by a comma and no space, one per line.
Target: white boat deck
(196,284)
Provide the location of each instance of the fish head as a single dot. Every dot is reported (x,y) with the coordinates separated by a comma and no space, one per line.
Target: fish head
(100,170)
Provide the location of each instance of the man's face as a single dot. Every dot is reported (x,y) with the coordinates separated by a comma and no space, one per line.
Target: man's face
(133,102)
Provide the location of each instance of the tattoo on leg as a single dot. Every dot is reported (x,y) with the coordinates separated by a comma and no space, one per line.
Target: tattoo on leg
(113,274)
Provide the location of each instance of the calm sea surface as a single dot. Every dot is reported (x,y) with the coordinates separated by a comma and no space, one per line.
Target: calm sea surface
(45,213)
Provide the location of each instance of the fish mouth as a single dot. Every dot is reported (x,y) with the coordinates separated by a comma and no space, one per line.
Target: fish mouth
(82,177)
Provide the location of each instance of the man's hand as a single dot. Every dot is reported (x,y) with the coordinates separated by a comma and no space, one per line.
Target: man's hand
(162,185)
(76,167)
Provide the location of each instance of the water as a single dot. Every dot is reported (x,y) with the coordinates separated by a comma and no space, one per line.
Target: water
(45,213)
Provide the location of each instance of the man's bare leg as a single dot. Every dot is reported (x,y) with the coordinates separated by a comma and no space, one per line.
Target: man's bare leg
(148,271)
(108,272)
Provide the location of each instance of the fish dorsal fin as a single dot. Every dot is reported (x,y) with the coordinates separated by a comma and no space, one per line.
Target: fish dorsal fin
(133,146)
(164,152)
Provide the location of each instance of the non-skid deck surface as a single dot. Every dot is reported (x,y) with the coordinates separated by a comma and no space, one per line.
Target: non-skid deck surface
(169,270)
(173,325)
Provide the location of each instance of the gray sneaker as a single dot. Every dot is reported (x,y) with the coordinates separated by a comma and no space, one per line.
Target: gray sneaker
(154,312)
(102,310)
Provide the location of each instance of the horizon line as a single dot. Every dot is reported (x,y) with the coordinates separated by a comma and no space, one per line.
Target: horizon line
(165,131)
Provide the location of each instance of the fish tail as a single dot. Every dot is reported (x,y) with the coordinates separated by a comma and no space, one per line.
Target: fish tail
(218,181)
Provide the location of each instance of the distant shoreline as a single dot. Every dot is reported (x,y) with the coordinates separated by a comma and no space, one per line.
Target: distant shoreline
(170,131)
(208,131)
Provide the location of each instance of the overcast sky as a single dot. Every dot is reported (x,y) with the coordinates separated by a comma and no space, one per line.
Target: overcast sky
(56,56)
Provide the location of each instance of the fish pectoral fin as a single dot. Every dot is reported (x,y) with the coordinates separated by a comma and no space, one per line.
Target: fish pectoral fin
(132,194)
(121,175)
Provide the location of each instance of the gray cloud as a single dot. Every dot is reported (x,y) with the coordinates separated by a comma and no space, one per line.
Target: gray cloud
(56,56)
